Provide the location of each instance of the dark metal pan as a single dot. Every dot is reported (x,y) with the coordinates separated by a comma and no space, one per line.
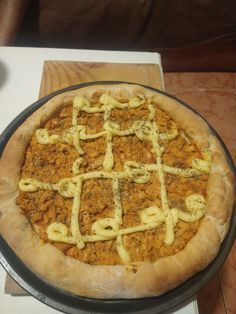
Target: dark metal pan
(71,304)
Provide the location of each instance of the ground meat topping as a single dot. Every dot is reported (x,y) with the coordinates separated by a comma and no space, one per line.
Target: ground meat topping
(53,162)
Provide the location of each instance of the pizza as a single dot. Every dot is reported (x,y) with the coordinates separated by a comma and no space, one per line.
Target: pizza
(115,191)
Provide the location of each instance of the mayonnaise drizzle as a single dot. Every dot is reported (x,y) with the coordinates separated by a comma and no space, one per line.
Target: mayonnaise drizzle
(110,228)
(169,238)
(76,165)
(108,162)
(75,216)
(117,201)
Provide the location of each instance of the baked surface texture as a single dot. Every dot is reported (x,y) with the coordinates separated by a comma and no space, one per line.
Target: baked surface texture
(130,279)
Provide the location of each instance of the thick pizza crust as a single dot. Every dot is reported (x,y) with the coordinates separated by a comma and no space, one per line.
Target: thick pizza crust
(120,281)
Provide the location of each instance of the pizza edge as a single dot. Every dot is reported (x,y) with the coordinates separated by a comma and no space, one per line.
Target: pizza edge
(119,281)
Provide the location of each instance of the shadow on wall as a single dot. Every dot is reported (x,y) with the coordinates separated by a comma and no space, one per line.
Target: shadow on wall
(3,74)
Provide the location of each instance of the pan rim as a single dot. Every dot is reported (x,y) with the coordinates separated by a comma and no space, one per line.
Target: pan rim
(163,303)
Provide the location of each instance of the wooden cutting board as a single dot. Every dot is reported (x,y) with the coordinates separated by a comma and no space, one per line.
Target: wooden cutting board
(61,74)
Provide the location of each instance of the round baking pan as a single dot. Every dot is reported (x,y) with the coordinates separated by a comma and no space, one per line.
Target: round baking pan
(71,304)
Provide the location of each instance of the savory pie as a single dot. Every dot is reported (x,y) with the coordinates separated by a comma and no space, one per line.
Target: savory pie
(115,191)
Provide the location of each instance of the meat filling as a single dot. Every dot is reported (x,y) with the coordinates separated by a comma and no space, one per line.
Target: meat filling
(52,162)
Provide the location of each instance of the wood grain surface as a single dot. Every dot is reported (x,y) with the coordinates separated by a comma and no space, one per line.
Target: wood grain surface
(60,74)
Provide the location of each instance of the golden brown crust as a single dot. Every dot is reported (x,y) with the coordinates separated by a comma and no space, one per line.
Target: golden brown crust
(118,281)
